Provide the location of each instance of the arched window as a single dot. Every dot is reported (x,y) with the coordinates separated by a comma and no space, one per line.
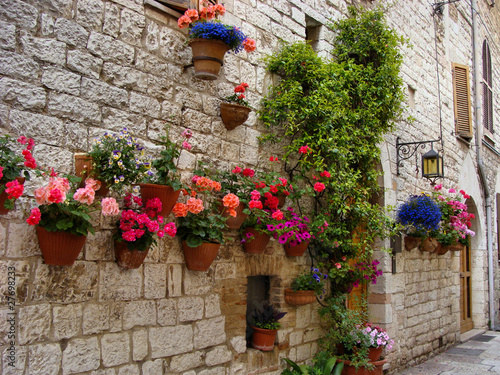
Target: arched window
(487,88)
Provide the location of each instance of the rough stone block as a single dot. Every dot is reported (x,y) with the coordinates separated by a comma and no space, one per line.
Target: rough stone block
(115,349)
(95,318)
(61,80)
(81,355)
(49,50)
(34,323)
(132,26)
(125,77)
(119,284)
(69,285)
(303,352)
(22,241)
(139,344)
(167,312)
(74,108)
(44,359)
(144,105)
(98,246)
(115,119)
(212,306)
(185,362)
(152,367)
(198,283)
(239,344)
(7,36)
(150,64)
(139,313)
(129,370)
(218,356)
(110,49)
(190,309)
(84,63)
(70,32)
(40,127)
(155,281)
(19,363)
(67,321)
(213,371)
(174,277)
(111,24)
(209,332)
(18,11)
(18,66)
(169,341)
(23,270)
(151,40)
(89,13)
(100,92)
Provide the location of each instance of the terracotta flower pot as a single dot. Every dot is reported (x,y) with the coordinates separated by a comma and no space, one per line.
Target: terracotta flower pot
(208,57)
(297,250)
(412,242)
(442,249)
(258,244)
(235,222)
(84,169)
(456,247)
(4,196)
(59,248)
(374,354)
(200,258)
(351,370)
(127,258)
(233,115)
(168,196)
(300,297)
(263,339)
(429,244)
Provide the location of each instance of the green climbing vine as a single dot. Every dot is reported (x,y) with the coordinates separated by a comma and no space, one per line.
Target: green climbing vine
(340,109)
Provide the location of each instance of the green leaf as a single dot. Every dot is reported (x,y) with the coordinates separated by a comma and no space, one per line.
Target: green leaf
(194,241)
(293,365)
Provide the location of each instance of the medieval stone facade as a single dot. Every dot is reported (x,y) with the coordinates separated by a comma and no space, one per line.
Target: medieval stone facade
(71,70)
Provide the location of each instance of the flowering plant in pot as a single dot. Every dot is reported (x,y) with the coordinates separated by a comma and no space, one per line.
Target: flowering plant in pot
(294,232)
(265,323)
(63,218)
(305,287)
(201,223)
(235,109)
(115,161)
(454,232)
(419,215)
(208,37)
(161,180)
(137,228)
(14,169)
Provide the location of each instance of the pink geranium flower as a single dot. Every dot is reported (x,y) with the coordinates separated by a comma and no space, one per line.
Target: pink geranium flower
(85,195)
(110,207)
(14,189)
(35,216)
(319,187)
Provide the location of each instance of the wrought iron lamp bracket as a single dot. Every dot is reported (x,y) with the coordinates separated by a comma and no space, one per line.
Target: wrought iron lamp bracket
(406,150)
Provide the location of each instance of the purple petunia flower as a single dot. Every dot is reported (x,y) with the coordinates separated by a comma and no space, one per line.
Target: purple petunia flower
(283,239)
(271,227)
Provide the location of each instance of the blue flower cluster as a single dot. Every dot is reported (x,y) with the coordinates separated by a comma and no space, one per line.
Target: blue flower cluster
(230,35)
(421,212)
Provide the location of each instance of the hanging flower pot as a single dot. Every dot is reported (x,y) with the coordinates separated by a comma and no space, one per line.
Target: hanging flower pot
(429,244)
(235,222)
(167,195)
(208,57)
(257,244)
(300,297)
(4,196)
(84,168)
(59,248)
(200,258)
(127,258)
(412,242)
(263,339)
(457,247)
(442,249)
(233,115)
(297,250)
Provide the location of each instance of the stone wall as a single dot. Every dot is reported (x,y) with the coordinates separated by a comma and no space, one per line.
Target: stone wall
(72,69)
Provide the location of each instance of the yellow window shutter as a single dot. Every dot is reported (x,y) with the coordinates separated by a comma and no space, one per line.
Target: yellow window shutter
(462,101)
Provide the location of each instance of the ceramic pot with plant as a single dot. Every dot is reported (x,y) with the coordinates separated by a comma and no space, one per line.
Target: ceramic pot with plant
(63,219)
(137,228)
(210,39)
(265,325)
(162,181)
(116,162)
(321,366)
(201,223)
(14,169)
(305,287)
(234,110)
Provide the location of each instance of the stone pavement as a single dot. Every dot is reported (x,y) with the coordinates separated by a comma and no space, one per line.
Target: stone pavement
(479,355)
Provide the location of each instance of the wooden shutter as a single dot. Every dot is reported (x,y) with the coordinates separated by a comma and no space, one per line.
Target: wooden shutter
(177,7)
(487,89)
(461,97)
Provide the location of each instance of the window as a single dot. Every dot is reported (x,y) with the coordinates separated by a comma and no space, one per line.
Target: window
(177,7)
(487,89)
(258,293)
(461,97)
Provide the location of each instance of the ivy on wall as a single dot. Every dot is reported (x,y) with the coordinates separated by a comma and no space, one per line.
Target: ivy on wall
(340,109)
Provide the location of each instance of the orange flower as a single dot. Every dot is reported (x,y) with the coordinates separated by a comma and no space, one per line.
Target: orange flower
(219,9)
(184,21)
(231,201)
(195,205)
(249,45)
(192,13)
(232,212)
(180,210)
(216,186)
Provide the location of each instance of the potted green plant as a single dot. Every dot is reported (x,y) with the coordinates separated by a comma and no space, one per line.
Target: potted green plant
(210,39)
(419,215)
(201,223)
(14,170)
(161,181)
(234,110)
(305,287)
(320,367)
(114,160)
(62,219)
(136,230)
(264,322)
